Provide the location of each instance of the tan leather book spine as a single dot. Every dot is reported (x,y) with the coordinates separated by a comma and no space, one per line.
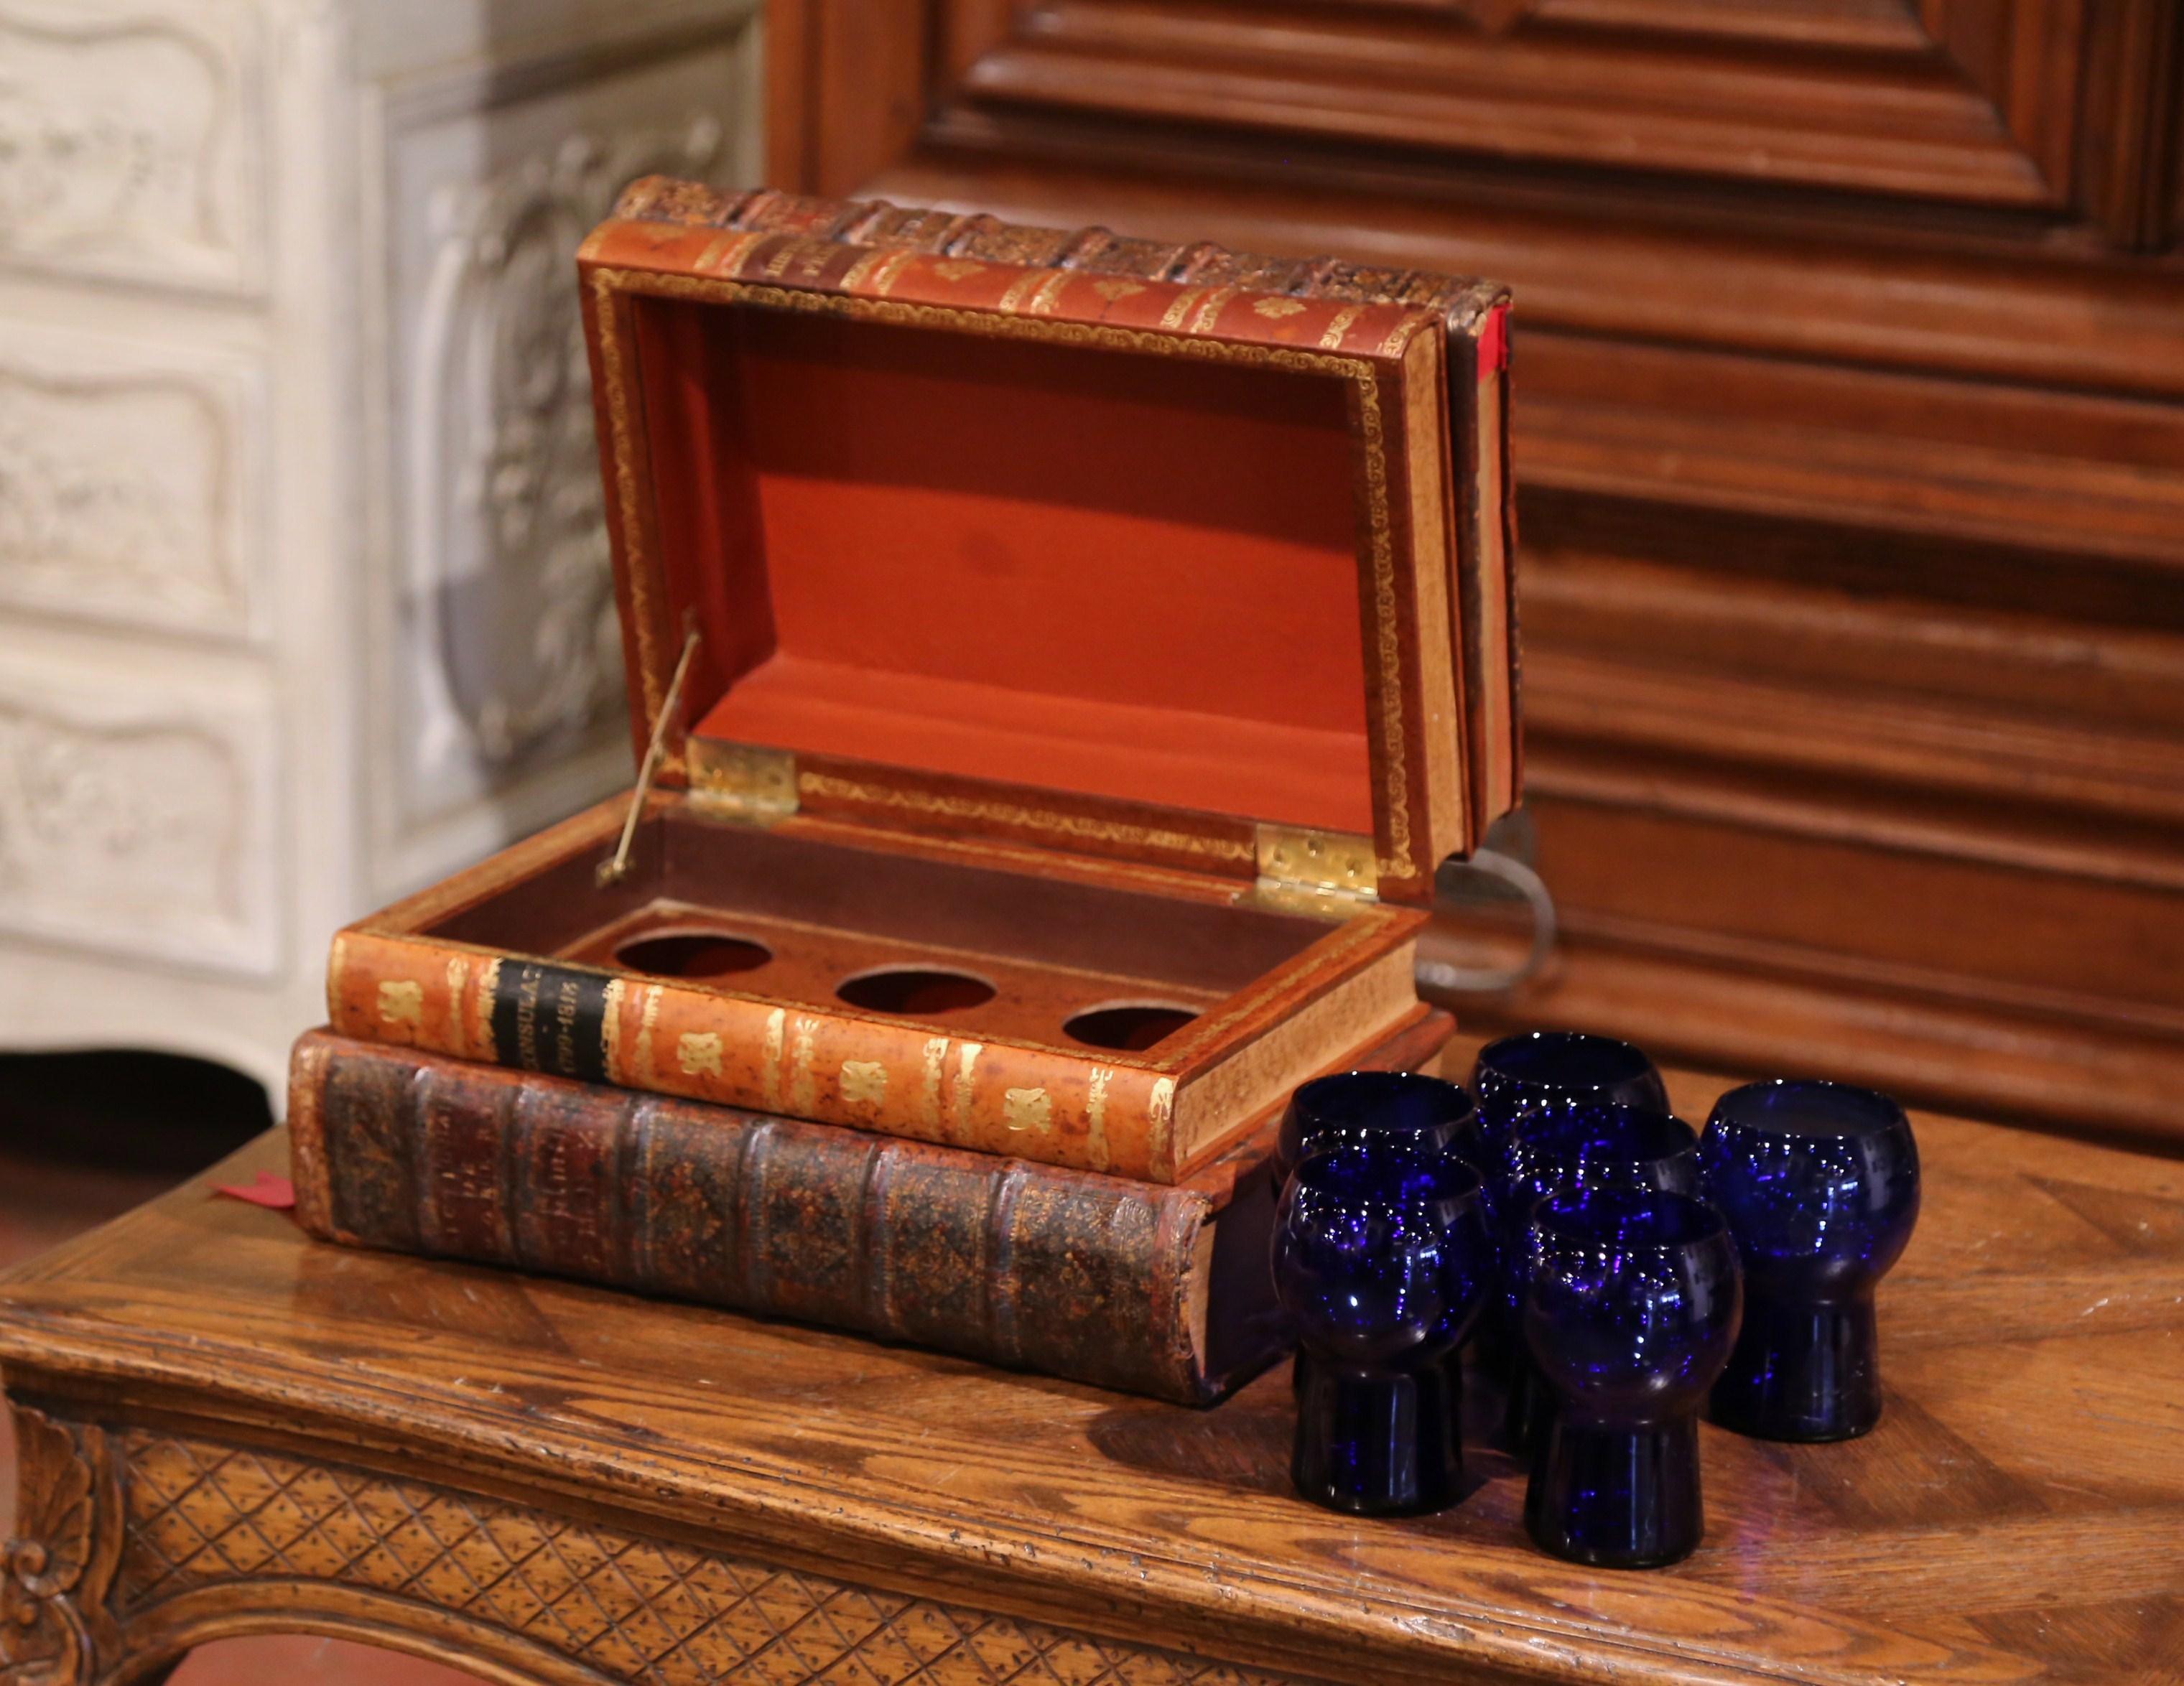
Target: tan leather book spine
(1116,1112)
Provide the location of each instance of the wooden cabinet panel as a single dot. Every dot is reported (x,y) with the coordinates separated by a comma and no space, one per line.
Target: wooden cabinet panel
(1849,431)
(1988,103)
(1907,120)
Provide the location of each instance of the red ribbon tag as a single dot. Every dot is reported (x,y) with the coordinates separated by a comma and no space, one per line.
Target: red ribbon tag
(1494,342)
(275,1193)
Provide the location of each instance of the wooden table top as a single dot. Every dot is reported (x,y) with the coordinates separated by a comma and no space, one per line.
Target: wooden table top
(2018,1515)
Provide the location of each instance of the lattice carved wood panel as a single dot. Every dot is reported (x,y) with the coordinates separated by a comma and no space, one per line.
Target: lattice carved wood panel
(200,1513)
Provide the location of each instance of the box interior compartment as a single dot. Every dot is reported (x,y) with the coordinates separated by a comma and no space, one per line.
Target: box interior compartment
(970,949)
(1098,571)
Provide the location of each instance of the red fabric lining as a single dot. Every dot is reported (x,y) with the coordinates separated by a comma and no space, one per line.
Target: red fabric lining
(1022,736)
(1086,570)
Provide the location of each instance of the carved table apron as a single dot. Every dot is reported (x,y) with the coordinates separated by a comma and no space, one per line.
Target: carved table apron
(226,1428)
(137,1544)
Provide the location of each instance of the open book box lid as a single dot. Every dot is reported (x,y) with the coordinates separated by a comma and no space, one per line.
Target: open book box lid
(1017,543)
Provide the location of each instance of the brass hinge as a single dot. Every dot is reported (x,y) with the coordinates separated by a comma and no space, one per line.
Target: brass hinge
(740,780)
(1319,869)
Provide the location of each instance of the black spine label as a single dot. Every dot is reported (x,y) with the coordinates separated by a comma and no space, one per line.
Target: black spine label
(548,1018)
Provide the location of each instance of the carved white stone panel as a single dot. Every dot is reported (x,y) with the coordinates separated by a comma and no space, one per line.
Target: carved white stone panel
(304,594)
(131,139)
(505,659)
(130,481)
(137,813)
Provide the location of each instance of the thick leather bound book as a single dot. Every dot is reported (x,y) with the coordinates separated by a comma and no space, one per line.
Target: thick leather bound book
(1057,663)
(1144,1289)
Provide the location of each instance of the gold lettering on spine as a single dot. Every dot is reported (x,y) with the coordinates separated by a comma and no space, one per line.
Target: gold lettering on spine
(792,251)
(803,1091)
(854,277)
(647,1026)
(568,998)
(928,1106)
(769,1075)
(959,1099)
(1332,339)
(1095,1119)
(484,1039)
(611,1030)
(527,1018)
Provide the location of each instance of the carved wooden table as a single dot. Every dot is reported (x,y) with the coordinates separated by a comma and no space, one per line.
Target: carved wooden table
(226,1429)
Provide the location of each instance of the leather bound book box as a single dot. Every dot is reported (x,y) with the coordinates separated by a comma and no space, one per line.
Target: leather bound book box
(1062,660)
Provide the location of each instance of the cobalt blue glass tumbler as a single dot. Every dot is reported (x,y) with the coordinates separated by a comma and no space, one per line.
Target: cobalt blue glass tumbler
(1522,1077)
(1819,1182)
(1630,1312)
(1375,1109)
(1583,1146)
(1381,1258)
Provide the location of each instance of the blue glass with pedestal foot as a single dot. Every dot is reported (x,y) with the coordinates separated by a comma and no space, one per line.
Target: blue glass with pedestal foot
(1820,1184)
(1382,1258)
(1630,1309)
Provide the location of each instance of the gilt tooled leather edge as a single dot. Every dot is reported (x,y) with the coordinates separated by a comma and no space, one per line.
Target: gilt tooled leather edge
(1464,301)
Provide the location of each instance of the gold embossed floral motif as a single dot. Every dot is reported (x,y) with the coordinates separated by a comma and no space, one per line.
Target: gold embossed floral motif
(699,1053)
(1025,1109)
(863,1083)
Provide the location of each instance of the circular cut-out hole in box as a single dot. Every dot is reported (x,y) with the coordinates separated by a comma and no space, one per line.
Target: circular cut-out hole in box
(1131,1025)
(915,992)
(698,954)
